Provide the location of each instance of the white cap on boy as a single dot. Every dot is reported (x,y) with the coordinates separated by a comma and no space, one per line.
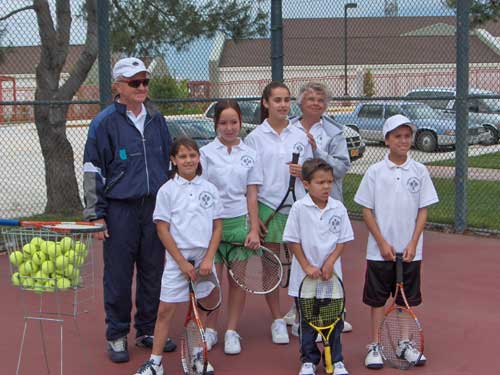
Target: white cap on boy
(396,121)
(128,67)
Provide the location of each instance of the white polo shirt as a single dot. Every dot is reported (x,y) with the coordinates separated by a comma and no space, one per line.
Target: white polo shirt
(190,207)
(318,231)
(275,152)
(138,120)
(395,193)
(231,173)
(318,132)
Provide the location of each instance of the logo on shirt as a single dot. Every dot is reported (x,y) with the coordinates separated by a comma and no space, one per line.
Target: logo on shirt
(207,200)
(413,185)
(335,222)
(298,148)
(247,161)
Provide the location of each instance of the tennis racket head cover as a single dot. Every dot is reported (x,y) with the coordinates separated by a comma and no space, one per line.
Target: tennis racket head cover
(207,291)
(258,272)
(400,335)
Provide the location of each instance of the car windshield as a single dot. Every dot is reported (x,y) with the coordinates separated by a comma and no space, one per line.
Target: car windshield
(192,129)
(493,104)
(418,111)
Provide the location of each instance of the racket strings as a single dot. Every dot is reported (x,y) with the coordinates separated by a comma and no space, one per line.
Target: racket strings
(400,338)
(193,353)
(261,272)
(321,301)
(208,292)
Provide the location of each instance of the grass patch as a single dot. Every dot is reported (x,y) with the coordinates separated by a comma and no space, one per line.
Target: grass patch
(489,161)
(483,199)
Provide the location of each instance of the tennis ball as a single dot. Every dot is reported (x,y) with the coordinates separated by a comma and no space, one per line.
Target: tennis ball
(48,267)
(66,244)
(30,267)
(28,250)
(68,271)
(71,255)
(39,287)
(63,283)
(76,279)
(37,243)
(52,249)
(79,260)
(22,270)
(80,247)
(16,279)
(27,282)
(38,257)
(16,258)
(61,262)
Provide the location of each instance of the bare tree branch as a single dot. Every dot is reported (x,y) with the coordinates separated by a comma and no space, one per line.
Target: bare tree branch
(30,7)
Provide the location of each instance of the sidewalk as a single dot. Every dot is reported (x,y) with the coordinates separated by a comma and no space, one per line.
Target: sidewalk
(473,173)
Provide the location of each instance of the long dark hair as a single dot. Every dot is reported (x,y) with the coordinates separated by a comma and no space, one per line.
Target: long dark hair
(188,143)
(266,94)
(222,105)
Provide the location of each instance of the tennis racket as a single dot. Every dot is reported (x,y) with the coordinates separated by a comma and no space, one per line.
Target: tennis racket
(258,272)
(321,304)
(194,352)
(207,291)
(57,226)
(284,253)
(401,337)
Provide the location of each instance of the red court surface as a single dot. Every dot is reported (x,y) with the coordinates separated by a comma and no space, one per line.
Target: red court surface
(460,316)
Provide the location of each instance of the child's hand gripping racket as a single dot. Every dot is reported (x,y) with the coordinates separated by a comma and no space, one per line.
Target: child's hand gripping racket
(284,254)
(321,304)
(401,337)
(194,351)
(256,271)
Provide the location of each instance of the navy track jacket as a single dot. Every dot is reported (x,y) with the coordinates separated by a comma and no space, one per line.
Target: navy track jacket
(119,162)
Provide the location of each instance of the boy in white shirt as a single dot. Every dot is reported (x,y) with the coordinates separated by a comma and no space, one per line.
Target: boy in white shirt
(317,229)
(395,194)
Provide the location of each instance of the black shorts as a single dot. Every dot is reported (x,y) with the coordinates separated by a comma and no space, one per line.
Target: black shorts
(380,283)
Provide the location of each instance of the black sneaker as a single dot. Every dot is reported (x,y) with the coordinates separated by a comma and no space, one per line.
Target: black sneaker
(147,342)
(117,350)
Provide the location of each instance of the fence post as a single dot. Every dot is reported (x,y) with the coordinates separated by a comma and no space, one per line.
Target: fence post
(462,115)
(276,40)
(104,56)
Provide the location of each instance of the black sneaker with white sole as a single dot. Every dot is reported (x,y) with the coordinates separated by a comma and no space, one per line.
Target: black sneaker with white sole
(147,342)
(117,350)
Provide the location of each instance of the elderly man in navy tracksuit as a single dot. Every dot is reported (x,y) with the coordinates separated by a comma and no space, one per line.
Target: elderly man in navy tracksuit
(126,161)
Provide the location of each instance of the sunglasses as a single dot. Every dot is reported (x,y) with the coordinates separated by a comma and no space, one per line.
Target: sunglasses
(135,83)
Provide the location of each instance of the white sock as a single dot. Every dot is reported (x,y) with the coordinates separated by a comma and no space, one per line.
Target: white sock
(156,359)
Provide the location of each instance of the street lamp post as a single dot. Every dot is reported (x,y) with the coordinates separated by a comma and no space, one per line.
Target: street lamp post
(346,6)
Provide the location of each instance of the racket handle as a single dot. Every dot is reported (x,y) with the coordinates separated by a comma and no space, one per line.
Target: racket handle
(399,268)
(295,160)
(328,360)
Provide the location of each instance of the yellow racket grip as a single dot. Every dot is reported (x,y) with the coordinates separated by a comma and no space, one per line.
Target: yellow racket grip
(328,360)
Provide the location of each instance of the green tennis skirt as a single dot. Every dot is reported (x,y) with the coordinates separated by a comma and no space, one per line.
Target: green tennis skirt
(276,227)
(234,230)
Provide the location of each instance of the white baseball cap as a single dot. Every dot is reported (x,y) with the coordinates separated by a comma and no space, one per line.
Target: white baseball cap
(396,121)
(128,67)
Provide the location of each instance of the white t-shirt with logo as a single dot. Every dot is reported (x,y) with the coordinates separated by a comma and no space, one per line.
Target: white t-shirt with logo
(318,231)
(395,193)
(190,207)
(231,173)
(275,152)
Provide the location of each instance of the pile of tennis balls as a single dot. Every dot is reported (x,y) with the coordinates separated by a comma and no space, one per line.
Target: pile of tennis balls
(48,265)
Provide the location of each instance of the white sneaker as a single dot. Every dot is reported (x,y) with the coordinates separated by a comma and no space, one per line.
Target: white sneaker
(406,350)
(198,366)
(211,338)
(373,359)
(308,368)
(279,332)
(339,369)
(290,316)
(232,342)
(347,327)
(149,368)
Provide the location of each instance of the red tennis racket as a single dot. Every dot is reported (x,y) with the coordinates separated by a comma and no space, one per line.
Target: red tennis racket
(401,336)
(57,226)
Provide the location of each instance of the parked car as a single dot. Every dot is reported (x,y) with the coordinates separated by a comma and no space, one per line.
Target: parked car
(250,114)
(201,130)
(482,111)
(433,129)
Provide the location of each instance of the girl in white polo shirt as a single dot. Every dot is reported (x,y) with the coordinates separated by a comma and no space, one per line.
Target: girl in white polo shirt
(317,229)
(274,141)
(232,167)
(187,216)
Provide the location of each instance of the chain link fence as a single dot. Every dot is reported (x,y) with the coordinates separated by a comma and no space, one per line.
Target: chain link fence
(378,58)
